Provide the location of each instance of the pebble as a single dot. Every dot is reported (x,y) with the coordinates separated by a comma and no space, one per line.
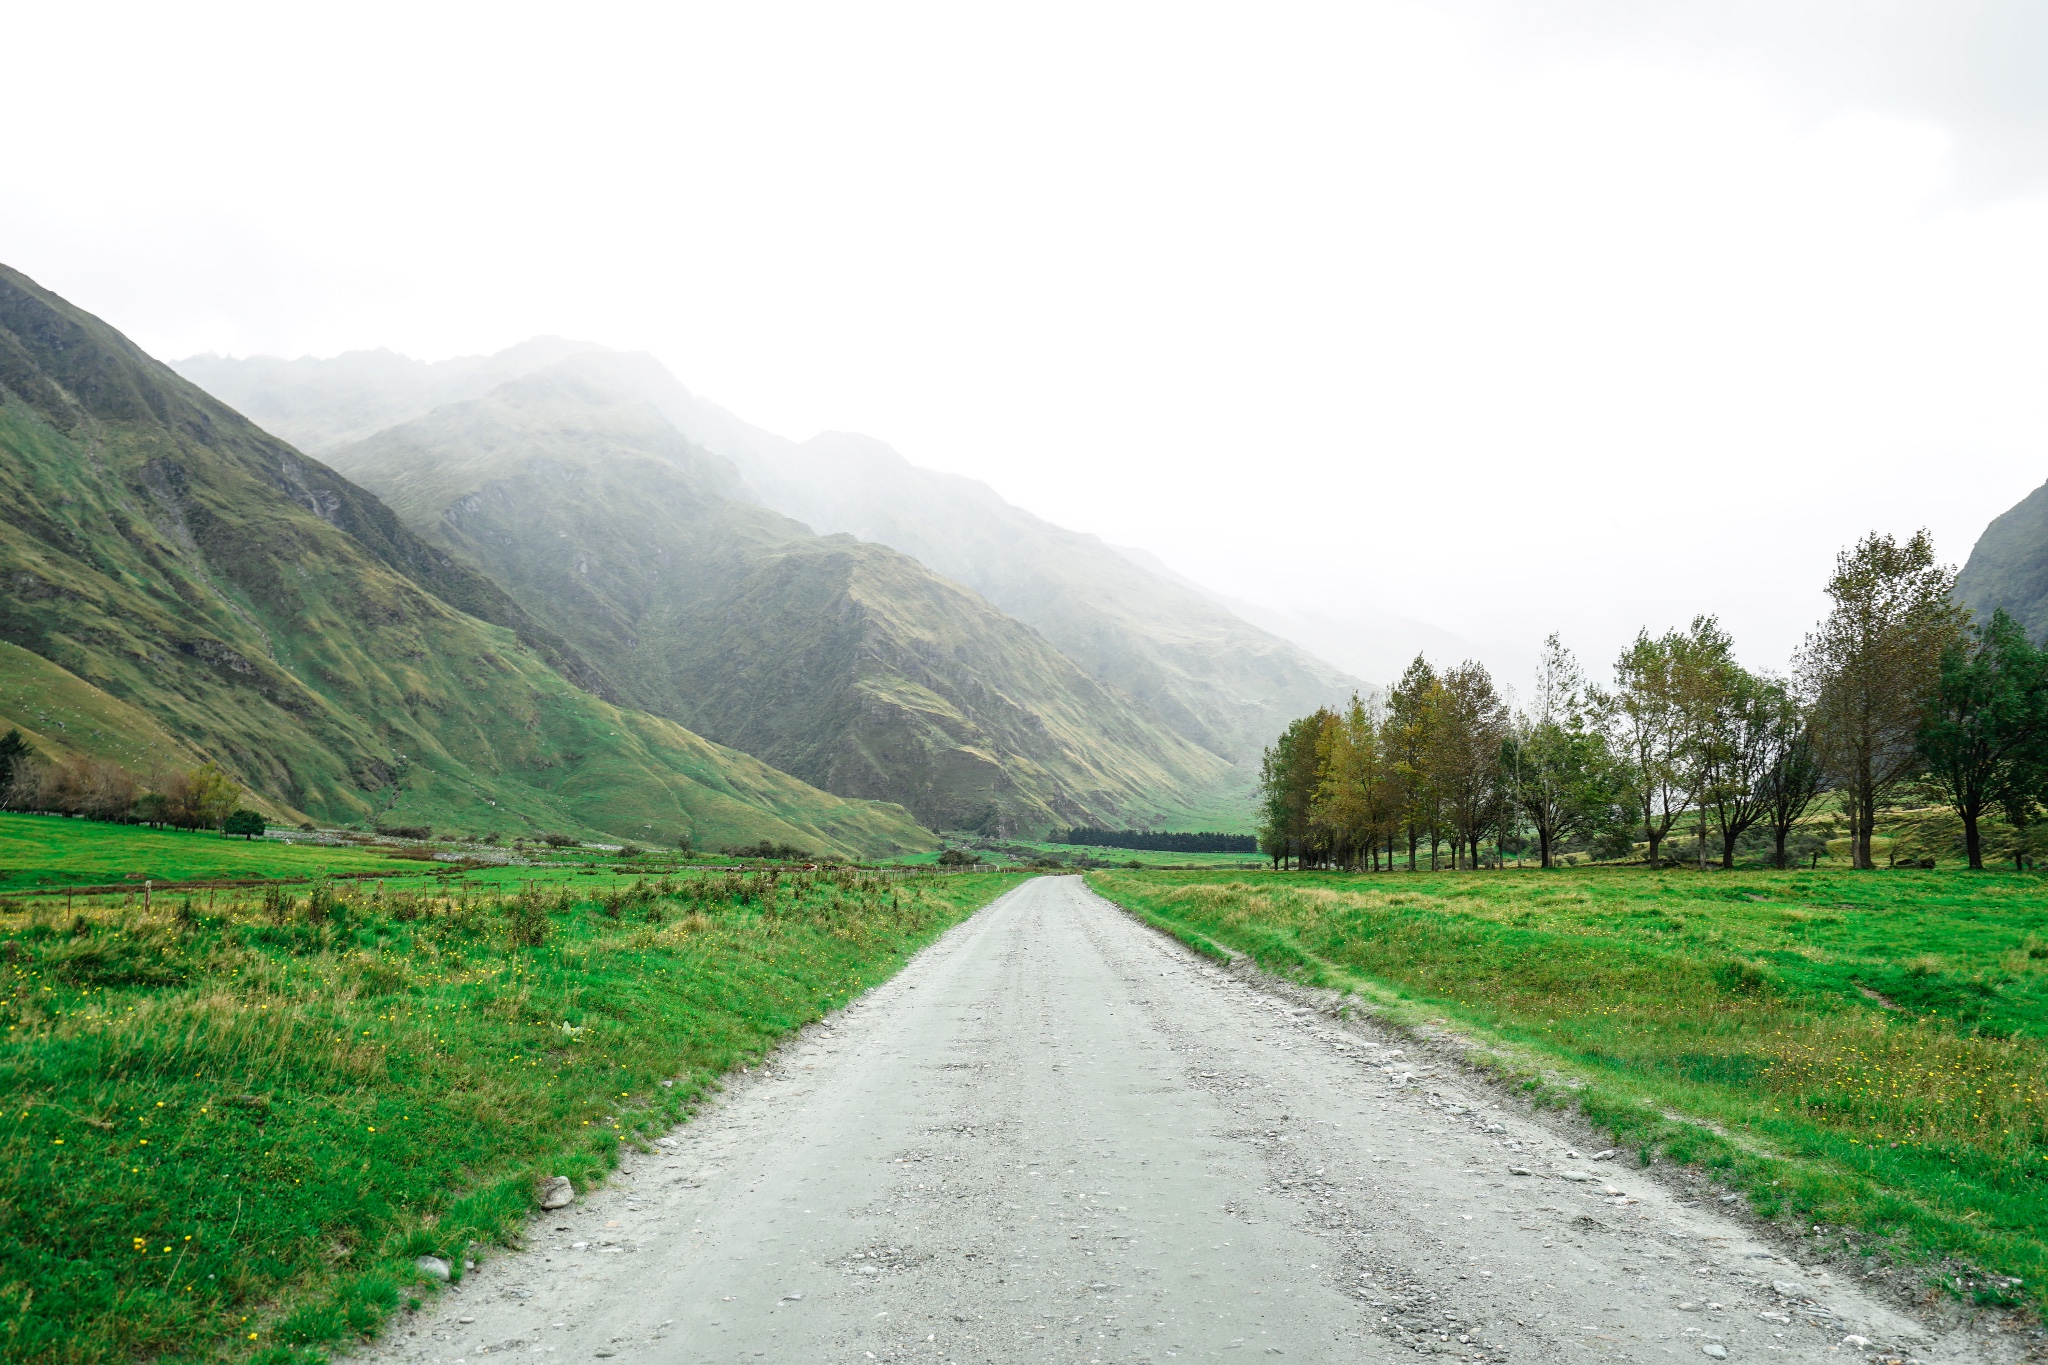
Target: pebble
(1578,1176)
(557,1193)
(1520,1170)
(432,1266)
(1790,1289)
(1854,1342)
(1714,1351)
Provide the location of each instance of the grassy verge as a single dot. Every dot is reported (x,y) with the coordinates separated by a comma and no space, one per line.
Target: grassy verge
(1865,1054)
(235,1123)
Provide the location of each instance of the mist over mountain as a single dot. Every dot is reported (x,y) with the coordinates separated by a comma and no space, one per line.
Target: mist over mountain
(318,405)
(844,662)
(1215,679)
(1362,641)
(200,588)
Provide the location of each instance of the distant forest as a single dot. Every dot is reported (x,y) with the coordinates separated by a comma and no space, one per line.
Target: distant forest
(1155,842)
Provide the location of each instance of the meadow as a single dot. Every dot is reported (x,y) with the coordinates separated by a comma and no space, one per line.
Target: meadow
(238,1117)
(1864,1055)
(52,851)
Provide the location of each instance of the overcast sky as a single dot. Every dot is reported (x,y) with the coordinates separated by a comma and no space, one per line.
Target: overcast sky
(1509,317)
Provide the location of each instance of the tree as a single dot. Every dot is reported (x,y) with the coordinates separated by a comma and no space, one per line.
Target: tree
(1870,664)
(1747,728)
(1464,758)
(1657,716)
(1340,808)
(1557,762)
(1288,778)
(244,822)
(201,798)
(16,754)
(1985,723)
(1412,705)
(1792,774)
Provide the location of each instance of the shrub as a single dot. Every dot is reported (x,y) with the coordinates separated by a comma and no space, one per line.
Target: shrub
(526,920)
(958,857)
(772,852)
(244,822)
(406,831)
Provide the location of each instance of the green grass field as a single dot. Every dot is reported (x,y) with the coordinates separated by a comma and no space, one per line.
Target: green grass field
(1863,1052)
(236,1121)
(48,851)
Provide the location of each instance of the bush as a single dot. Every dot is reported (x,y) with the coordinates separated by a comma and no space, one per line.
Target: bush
(406,831)
(245,822)
(560,840)
(773,852)
(958,857)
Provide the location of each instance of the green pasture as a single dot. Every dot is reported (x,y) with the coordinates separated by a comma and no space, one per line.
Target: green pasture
(235,1120)
(1865,1054)
(53,851)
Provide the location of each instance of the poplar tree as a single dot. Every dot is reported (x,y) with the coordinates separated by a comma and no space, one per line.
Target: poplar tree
(1412,706)
(1870,665)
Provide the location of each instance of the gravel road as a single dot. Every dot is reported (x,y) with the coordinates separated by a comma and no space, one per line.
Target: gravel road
(1058,1136)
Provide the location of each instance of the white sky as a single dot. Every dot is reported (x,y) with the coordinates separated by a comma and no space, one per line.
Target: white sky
(1511,316)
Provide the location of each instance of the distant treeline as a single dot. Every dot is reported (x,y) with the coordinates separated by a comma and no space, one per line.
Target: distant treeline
(201,798)
(1153,841)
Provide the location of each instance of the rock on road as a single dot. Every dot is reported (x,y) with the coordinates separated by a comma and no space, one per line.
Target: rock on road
(1058,1136)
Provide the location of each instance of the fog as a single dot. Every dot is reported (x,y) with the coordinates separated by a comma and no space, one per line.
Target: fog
(1498,318)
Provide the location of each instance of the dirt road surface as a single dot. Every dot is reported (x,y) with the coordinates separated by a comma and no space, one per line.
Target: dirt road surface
(1058,1136)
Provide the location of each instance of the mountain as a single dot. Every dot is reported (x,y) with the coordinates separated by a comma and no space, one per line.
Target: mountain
(2008,566)
(178,576)
(1215,679)
(319,405)
(846,663)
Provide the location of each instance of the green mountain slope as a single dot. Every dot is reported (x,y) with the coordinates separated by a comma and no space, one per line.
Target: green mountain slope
(2008,566)
(1216,679)
(848,664)
(160,549)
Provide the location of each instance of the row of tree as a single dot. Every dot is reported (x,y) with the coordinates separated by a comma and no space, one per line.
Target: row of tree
(1897,685)
(1154,841)
(182,798)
